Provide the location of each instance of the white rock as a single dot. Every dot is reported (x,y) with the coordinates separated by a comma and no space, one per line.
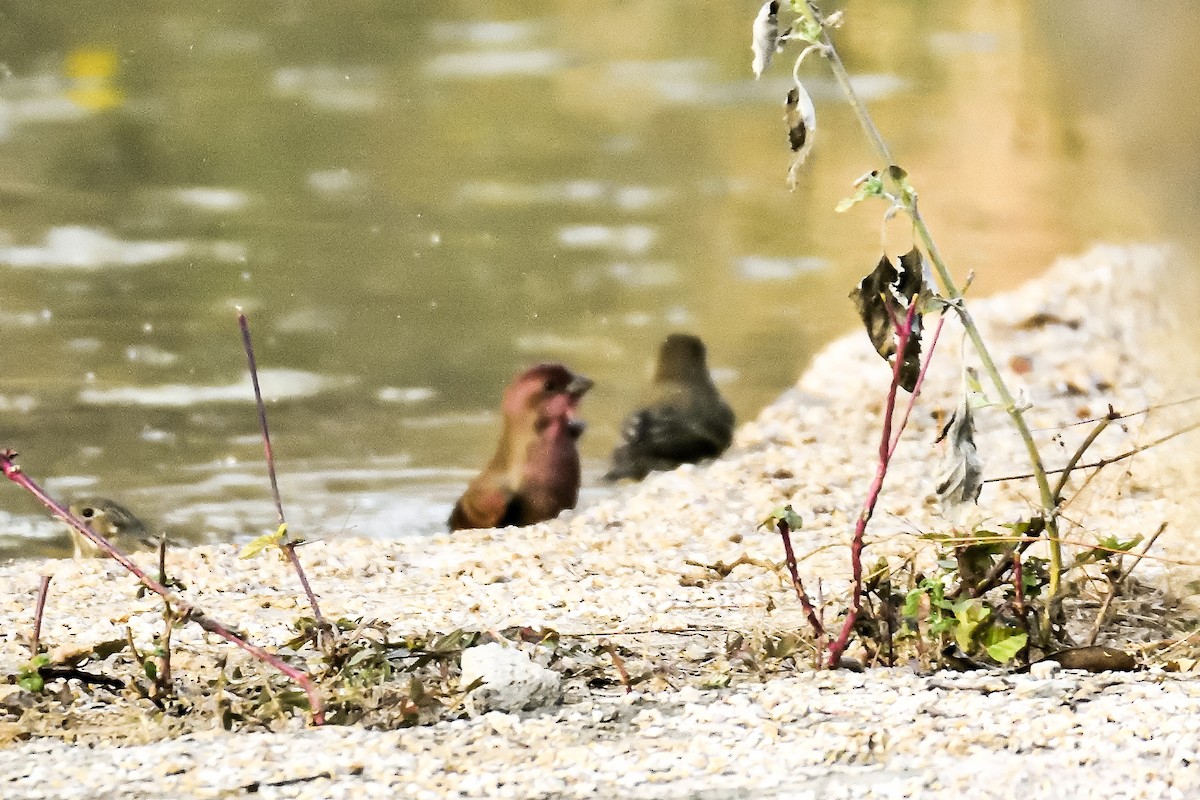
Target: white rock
(511,681)
(1043,670)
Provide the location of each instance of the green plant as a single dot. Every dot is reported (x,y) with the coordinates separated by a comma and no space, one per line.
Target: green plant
(892,301)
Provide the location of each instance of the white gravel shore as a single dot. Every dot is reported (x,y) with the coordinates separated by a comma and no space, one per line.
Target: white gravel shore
(1092,332)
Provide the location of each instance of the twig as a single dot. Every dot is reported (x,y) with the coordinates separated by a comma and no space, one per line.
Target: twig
(1130,415)
(35,646)
(1114,585)
(162,678)
(289,544)
(1073,543)
(1104,462)
(1105,421)
(185,610)
(619,665)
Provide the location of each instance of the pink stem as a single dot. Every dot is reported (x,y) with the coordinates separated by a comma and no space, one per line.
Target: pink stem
(912,398)
(805,602)
(43,590)
(184,609)
(903,332)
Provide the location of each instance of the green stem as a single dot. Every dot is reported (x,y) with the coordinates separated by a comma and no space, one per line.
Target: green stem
(909,199)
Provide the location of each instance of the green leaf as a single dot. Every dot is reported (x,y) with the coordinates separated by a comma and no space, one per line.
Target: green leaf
(866,187)
(1006,644)
(256,546)
(31,681)
(970,613)
(785,514)
(912,603)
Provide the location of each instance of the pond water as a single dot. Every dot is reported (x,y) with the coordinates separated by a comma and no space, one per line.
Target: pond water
(413,200)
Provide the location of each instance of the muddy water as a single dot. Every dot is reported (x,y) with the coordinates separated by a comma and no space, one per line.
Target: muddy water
(413,200)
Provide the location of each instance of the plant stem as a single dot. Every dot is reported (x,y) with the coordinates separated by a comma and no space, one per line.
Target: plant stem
(289,545)
(35,646)
(805,602)
(1078,454)
(903,332)
(908,198)
(183,609)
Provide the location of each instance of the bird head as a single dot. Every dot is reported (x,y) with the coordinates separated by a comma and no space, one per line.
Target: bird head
(108,518)
(681,358)
(548,392)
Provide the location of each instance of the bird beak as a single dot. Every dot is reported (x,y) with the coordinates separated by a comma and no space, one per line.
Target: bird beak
(579,386)
(576,427)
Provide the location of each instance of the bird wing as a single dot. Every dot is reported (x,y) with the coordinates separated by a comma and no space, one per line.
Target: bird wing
(487,503)
(672,432)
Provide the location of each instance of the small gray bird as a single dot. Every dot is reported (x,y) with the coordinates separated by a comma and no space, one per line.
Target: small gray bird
(684,418)
(111,520)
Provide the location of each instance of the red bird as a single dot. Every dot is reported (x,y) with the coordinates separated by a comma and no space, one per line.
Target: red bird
(534,474)
(684,418)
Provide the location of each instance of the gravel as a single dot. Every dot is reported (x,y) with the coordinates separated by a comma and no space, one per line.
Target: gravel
(1094,331)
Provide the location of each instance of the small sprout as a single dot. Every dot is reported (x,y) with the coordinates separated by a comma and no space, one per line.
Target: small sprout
(764,37)
(783,514)
(1106,548)
(267,540)
(868,186)
(30,677)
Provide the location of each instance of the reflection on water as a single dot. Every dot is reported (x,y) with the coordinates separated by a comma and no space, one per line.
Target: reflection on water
(414,200)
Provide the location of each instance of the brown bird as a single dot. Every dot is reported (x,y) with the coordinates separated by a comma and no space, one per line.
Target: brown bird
(534,474)
(684,418)
(111,520)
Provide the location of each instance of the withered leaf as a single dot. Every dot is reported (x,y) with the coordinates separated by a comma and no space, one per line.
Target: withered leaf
(797,130)
(883,299)
(962,474)
(870,297)
(911,287)
(912,275)
(801,119)
(764,37)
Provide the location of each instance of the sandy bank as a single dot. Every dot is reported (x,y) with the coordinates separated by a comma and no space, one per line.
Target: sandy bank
(1092,332)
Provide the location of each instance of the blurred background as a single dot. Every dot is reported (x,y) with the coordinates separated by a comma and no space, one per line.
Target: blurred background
(414,200)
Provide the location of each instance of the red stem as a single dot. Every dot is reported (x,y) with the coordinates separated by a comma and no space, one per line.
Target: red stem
(1019,599)
(903,332)
(805,602)
(183,609)
(43,590)
(912,398)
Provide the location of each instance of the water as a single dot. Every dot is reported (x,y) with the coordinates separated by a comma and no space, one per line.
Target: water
(414,200)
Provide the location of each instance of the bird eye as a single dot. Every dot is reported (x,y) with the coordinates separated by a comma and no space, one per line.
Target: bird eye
(88,512)
(549,386)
